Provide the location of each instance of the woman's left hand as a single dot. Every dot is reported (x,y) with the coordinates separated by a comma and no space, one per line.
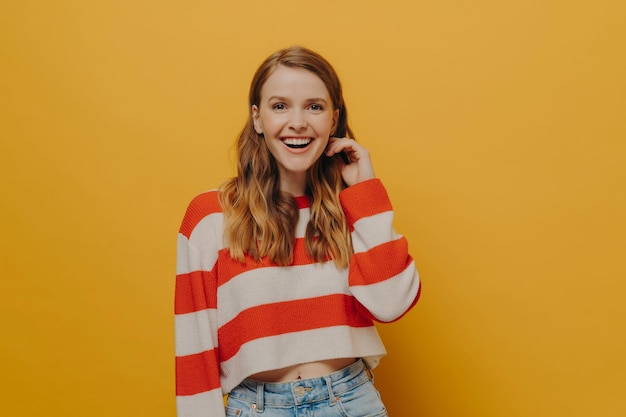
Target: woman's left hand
(360,167)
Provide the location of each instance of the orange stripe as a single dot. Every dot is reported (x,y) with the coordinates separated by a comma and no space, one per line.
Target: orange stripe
(288,317)
(200,207)
(230,268)
(208,203)
(195,291)
(197,373)
(303,202)
(364,199)
(366,267)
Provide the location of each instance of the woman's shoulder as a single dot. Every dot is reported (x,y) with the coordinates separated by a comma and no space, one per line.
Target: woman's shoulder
(207,201)
(201,205)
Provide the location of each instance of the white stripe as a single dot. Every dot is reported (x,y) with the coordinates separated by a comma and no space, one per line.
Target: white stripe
(300,347)
(209,403)
(201,250)
(183,255)
(389,299)
(372,231)
(276,284)
(195,332)
(303,220)
(207,238)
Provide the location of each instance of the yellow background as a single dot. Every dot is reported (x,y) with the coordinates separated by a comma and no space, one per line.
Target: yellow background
(498,127)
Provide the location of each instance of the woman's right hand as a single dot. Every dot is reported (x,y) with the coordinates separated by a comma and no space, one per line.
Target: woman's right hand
(360,166)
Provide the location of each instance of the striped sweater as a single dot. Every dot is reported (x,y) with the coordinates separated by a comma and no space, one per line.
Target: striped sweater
(236,319)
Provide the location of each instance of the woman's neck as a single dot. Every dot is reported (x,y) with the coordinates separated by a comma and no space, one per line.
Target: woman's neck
(293,183)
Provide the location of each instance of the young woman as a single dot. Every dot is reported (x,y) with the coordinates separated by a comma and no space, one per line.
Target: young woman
(283,271)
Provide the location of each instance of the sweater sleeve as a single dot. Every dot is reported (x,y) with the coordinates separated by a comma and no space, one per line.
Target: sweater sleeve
(382,274)
(198,388)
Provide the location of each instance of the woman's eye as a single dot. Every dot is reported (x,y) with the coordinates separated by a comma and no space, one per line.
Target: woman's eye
(278,106)
(316,107)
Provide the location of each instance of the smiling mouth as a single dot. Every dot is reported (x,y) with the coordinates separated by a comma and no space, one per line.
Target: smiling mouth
(297,143)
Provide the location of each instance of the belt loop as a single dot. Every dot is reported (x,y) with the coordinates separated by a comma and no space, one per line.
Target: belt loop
(260,388)
(329,385)
(368,370)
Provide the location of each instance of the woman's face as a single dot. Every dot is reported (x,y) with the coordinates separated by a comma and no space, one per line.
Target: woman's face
(296,117)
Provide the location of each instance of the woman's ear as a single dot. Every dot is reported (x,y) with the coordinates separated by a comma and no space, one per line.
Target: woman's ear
(258,126)
(335,119)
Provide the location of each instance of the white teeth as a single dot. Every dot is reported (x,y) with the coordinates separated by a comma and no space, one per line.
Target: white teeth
(297,141)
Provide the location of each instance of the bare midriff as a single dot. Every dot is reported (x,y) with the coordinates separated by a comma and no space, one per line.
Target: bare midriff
(303,370)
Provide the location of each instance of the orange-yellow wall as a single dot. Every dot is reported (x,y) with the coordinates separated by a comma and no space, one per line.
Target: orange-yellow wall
(499,128)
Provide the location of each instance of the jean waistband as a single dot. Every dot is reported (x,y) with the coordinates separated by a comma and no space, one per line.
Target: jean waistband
(303,391)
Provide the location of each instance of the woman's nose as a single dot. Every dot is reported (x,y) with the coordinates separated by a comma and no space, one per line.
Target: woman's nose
(298,121)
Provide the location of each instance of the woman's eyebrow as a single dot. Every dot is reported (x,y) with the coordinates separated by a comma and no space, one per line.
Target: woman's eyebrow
(277,98)
(317,99)
(308,100)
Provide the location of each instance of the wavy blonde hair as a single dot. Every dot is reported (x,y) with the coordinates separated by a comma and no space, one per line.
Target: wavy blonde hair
(260,220)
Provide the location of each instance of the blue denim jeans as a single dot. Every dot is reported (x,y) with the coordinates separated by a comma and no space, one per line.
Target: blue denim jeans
(349,392)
